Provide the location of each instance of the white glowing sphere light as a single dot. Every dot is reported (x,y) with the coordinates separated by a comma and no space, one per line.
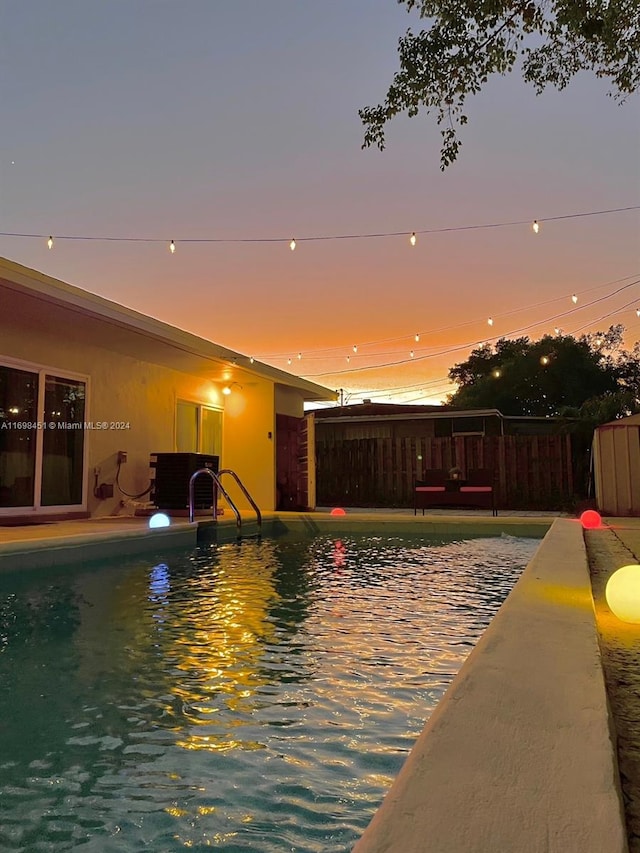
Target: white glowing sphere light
(623,593)
(159,519)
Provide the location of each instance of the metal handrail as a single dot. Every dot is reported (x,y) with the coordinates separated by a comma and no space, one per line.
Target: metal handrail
(244,491)
(218,485)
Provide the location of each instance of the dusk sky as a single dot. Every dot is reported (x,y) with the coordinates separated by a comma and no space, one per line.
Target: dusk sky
(212,119)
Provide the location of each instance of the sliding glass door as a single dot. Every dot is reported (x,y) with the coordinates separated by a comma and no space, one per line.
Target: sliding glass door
(18,436)
(42,439)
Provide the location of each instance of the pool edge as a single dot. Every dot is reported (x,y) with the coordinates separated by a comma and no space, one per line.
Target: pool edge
(519,754)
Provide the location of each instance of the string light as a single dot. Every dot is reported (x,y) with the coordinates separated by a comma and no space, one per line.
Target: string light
(251,359)
(535,226)
(637,312)
(475,343)
(325,237)
(416,338)
(490,321)
(470,344)
(50,242)
(355,347)
(544,360)
(288,361)
(497,373)
(339,348)
(299,356)
(574,299)
(413,239)
(172,247)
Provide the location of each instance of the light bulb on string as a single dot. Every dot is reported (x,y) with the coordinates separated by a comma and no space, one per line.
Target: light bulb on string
(355,347)
(348,359)
(172,247)
(288,361)
(490,321)
(50,242)
(413,239)
(411,354)
(574,299)
(544,361)
(535,226)
(292,245)
(251,359)
(299,356)
(497,373)
(416,338)
(637,312)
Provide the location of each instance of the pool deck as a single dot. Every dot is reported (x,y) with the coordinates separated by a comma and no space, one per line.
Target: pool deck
(519,756)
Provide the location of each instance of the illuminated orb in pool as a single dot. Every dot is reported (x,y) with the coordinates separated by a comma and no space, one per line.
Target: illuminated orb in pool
(623,593)
(590,519)
(338,511)
(159,519)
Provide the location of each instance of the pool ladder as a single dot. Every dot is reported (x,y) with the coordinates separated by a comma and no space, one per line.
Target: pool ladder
(217,484)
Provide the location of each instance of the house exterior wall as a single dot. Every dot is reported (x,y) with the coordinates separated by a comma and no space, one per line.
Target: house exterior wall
(288,402)
(143,395)
(248,442)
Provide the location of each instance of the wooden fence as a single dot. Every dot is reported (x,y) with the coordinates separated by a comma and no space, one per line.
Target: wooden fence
(531,472)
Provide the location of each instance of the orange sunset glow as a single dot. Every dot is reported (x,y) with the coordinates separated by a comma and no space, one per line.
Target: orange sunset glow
(231,132)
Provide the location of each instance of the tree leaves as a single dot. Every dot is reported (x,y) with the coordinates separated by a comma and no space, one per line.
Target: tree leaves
(551,376)
(469,41)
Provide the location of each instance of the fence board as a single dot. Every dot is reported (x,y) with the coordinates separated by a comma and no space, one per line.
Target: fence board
(531,471)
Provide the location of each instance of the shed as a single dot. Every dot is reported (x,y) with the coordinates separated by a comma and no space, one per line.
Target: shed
(616,465)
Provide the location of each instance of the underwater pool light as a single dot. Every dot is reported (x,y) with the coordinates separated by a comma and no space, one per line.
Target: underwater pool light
(159,519)
(338,511)
(623,593)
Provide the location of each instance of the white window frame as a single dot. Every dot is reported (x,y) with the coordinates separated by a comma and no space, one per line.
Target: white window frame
(199,406)
(44,370)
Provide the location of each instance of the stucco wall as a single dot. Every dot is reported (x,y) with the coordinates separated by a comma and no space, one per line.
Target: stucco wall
(288,402)
(125,389)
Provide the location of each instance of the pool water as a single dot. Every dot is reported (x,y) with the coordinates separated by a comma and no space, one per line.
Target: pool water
(252,697)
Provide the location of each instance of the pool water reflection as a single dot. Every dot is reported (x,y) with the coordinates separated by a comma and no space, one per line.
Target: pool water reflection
(253,697)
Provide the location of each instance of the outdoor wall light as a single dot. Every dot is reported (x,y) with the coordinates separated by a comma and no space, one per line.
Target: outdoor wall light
(229,388)
(623,593)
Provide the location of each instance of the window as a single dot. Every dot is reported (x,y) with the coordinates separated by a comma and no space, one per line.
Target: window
(198,429)
(42,441)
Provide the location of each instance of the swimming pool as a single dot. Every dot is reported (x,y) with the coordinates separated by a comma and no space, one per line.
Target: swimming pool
(253,697)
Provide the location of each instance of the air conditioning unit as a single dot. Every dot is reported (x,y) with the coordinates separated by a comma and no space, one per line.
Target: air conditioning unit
(172,474)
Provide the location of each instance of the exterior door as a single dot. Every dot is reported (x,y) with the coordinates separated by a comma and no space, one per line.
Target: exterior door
(42,440)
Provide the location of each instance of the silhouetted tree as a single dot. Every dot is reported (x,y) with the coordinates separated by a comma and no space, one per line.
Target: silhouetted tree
(591,377)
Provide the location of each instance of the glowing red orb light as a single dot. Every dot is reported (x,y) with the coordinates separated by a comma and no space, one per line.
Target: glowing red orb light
(338,511)
(590,519)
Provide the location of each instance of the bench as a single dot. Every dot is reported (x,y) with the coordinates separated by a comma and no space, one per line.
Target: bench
(437,490)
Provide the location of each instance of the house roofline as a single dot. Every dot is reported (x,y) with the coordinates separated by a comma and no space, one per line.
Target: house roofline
(421,416)
(52,290)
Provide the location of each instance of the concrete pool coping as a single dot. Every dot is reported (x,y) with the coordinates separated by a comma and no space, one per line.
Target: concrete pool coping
(57,543)
(518,757)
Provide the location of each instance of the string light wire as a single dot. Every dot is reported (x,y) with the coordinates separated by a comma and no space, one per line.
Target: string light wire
(325,237)
(473,344)
(308,354)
